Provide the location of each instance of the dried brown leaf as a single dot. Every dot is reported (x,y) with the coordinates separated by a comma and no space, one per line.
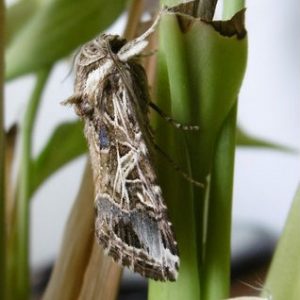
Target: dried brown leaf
(82,271)
(102,277)
(69,269)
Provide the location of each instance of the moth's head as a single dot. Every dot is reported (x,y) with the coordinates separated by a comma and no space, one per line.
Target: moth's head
(93,55)
(98,49)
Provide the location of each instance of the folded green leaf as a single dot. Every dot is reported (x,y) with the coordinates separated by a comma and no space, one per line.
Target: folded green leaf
(55,30)
(66,143)
(203,68)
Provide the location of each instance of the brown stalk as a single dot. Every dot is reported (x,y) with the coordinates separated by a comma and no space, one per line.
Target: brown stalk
(102,277)
(134,16)
(69,269)
(205,9)
(82,271)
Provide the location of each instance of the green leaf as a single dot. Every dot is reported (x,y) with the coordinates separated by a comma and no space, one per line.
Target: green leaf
(18,15)
(3,201)
(283,280)
(245,140)
(66,143)
(55,30)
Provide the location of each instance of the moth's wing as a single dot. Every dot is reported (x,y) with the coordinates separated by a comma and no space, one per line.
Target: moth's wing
(137,240)
(131,220)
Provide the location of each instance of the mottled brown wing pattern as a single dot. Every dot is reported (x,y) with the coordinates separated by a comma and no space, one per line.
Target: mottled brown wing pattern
(131,219)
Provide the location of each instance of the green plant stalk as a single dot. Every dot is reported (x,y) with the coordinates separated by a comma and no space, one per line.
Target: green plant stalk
(2,157)
(21,251)
(197,61)
(217,251)
(230,7)
(176,190)
(216,283)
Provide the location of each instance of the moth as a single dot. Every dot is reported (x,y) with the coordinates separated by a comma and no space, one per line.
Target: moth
(111,97)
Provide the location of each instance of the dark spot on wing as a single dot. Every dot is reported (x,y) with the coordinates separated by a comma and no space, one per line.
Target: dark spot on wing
(103,138)
(127,234)
(134,174)
(123,149)
(168,240)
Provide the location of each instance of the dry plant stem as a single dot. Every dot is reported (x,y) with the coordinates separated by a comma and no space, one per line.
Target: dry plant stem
(102,276)
(134,15)
(205,9)
(150,62)
(130,32)
(82,271)
(68,273)
(2,157)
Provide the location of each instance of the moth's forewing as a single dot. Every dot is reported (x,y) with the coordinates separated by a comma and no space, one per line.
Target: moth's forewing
(131,218)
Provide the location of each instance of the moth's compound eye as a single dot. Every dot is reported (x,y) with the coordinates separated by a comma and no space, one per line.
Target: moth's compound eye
(93,50)
(115,43)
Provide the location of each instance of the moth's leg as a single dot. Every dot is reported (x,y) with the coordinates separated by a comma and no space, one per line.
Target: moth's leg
(82,108)
(177,168)
(136,46)
(170,120)
(147,53)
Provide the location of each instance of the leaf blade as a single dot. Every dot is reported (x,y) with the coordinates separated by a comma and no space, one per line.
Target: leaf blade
(65,144)
(57,29)
(284,274)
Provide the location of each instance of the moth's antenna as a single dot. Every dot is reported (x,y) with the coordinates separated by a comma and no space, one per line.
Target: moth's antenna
(72,66)
(170,120)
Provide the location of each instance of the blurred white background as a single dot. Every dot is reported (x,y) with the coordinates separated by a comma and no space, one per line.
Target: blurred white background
(269,107)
